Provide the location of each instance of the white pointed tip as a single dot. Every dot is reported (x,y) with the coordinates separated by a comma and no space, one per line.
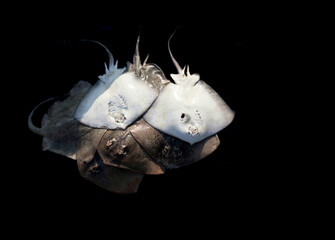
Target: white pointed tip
(188,70)
(146,59)
(183,71)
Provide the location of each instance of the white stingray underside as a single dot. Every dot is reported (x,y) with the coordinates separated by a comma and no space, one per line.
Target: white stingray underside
(116,105)
(190,113)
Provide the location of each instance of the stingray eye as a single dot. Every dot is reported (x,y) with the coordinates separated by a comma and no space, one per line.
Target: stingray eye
(182,116)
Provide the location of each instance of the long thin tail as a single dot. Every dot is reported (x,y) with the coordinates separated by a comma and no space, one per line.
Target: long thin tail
(31,126)
(110,55)
(179,69)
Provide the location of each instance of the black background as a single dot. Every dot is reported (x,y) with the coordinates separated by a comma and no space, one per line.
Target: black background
(236,50)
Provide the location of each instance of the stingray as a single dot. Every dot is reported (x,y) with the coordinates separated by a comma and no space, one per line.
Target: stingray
(133,122)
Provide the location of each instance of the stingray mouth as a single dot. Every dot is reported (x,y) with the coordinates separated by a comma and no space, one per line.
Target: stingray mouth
(193,131)
(120,118)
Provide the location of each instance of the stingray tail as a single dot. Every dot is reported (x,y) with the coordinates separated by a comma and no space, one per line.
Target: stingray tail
(31,126)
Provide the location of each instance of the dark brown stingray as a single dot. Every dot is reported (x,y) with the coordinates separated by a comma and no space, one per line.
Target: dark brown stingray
(110,178)
(168,150)
(118,148)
